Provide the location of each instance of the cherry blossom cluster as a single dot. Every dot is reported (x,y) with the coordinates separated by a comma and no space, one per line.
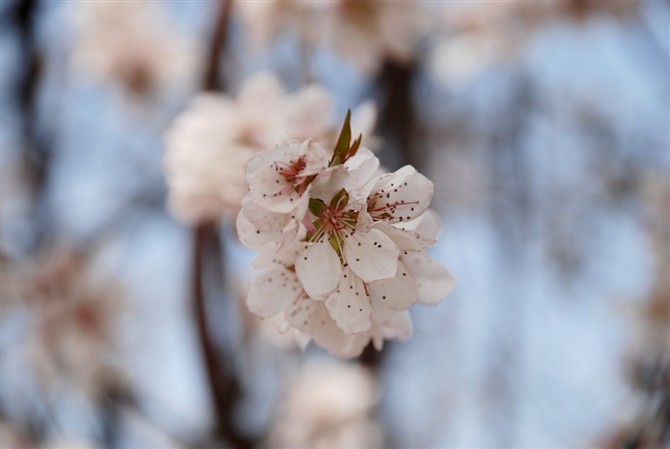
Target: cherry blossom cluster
(342,245)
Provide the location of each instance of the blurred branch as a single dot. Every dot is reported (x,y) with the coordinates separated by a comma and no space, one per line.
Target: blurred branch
(224,385)
(213,80)
(397,115)
(207,250)
(23,16)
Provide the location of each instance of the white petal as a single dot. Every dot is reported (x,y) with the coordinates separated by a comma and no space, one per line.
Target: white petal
(329,182)
(371,255)
(428,225)
(405,240)
(271,190)
(391,325)
(318,268)
(312,318)
(262,218)
(316,157)
(404,196)
(350,305)
(432,278)
(362,167)
(285,253)
(257,225)
(398,293)
(265,158)
(273,292)
(250,235)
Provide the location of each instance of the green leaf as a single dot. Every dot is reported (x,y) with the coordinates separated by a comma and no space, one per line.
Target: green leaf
(316,206)
(342,146)
(340,200)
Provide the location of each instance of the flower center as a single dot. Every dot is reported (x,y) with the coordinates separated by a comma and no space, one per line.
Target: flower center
(292,173)
(332,222)
(292,170)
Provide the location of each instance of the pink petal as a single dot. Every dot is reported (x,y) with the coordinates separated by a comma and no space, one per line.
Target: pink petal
(272,292)
(318,268)
(398,293)
(350,306)
(371,255)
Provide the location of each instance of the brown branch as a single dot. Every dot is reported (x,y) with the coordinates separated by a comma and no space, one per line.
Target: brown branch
(220,372)
(397,118)
(207,253)
(36,157)
(213,80)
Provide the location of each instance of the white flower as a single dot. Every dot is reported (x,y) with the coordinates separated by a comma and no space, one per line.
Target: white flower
(399,196)
(340,241)
(344,250)
(280,178)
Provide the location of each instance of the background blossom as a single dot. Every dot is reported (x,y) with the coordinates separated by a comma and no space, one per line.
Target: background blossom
(210,143)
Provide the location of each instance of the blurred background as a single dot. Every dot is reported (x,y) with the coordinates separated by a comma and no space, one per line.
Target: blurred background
(544,125)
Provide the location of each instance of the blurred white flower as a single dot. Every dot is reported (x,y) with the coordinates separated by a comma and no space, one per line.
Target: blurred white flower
(369,31)
(73,317)
(329,405)
(209,145)
(480,34)
(134,44)
(342,248)
(204,161)
(64,443)
(266,20)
